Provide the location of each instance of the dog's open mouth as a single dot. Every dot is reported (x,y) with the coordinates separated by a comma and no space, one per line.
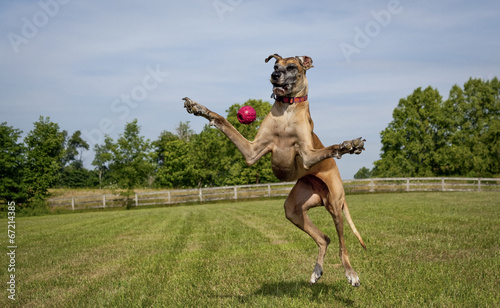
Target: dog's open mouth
(280,90)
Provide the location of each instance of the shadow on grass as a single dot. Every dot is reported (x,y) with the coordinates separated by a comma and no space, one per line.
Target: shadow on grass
(318,293)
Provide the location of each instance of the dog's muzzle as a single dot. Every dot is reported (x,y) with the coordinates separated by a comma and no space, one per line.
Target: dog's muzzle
(280,87)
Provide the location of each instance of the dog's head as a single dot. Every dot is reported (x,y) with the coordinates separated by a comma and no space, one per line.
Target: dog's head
(289,75)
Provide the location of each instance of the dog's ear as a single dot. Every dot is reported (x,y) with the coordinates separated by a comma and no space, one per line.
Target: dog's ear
(276,56)
(306,62)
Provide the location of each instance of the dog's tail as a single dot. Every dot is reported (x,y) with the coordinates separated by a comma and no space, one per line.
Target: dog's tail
(351,224)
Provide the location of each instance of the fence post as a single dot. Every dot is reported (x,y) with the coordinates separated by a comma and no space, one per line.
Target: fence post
(103,200)
(235,192)
(136,200)
(479,184)
(73,203)
(372,186)
(407,184)
(169,197)
(201,195)
(442,184)
(269,190)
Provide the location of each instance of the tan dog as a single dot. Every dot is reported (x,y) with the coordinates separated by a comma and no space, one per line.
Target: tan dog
(297,154)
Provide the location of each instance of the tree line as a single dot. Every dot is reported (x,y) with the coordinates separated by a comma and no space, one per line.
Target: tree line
(428,136)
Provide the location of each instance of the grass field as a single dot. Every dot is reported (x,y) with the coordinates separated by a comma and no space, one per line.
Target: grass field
(424,249)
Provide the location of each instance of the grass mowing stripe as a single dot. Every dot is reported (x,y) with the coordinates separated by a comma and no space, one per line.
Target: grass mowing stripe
(157,270)
(156,273)
(109,254)
(268,228)
(424,249)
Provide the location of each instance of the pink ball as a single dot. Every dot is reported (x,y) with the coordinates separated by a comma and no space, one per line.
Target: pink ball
(246,115)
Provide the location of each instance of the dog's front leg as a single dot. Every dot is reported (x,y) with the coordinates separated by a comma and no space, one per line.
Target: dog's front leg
(314,156)
(251,151)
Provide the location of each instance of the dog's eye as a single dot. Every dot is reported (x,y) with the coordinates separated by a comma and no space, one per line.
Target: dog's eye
(290,68)
(275,67)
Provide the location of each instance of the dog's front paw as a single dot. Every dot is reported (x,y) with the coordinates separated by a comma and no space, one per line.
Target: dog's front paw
(358,145)
(355,146)
(195,108)
(199,110)
(190,105)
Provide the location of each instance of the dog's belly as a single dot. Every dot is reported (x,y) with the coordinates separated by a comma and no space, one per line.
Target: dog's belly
(285,164)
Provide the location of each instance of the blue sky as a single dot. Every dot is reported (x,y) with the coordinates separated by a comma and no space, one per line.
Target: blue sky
(95,65)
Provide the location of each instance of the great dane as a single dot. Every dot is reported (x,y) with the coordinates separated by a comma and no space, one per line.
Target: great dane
(297,154)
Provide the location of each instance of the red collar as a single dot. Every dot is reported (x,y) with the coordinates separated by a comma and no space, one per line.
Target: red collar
(291,100)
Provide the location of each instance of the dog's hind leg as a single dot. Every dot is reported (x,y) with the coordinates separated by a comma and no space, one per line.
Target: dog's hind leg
(334,206)
(307,193)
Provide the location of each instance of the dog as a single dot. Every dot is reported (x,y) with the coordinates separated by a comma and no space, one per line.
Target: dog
(297,155)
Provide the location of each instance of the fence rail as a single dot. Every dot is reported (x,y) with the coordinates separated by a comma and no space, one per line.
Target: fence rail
(167,197)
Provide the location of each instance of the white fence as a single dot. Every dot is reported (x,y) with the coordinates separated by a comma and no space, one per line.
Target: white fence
(167,197)
(421,184)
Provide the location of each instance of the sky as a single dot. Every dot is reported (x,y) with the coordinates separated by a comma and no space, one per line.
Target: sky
(94,65)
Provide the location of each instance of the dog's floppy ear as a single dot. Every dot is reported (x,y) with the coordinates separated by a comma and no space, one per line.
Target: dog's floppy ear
(276,56)
(306,62)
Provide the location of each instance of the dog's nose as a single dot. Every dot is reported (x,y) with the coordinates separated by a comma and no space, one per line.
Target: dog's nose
(275,75)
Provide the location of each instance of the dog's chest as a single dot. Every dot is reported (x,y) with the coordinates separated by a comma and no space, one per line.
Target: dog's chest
(290,134)
(285,131)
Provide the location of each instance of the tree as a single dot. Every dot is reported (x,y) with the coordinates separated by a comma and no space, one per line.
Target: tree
(12,160)
(132,159)
(177,167)
(208,152)
(175,158)
(457,137)
(74,148)
(159,146)
(128,162)
(473,118)
(44,157)
(73,174)
(184,131)
(363,173)
(103,158)
(410,141)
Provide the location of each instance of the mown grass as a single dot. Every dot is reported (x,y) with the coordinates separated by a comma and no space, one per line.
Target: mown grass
(424,249)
